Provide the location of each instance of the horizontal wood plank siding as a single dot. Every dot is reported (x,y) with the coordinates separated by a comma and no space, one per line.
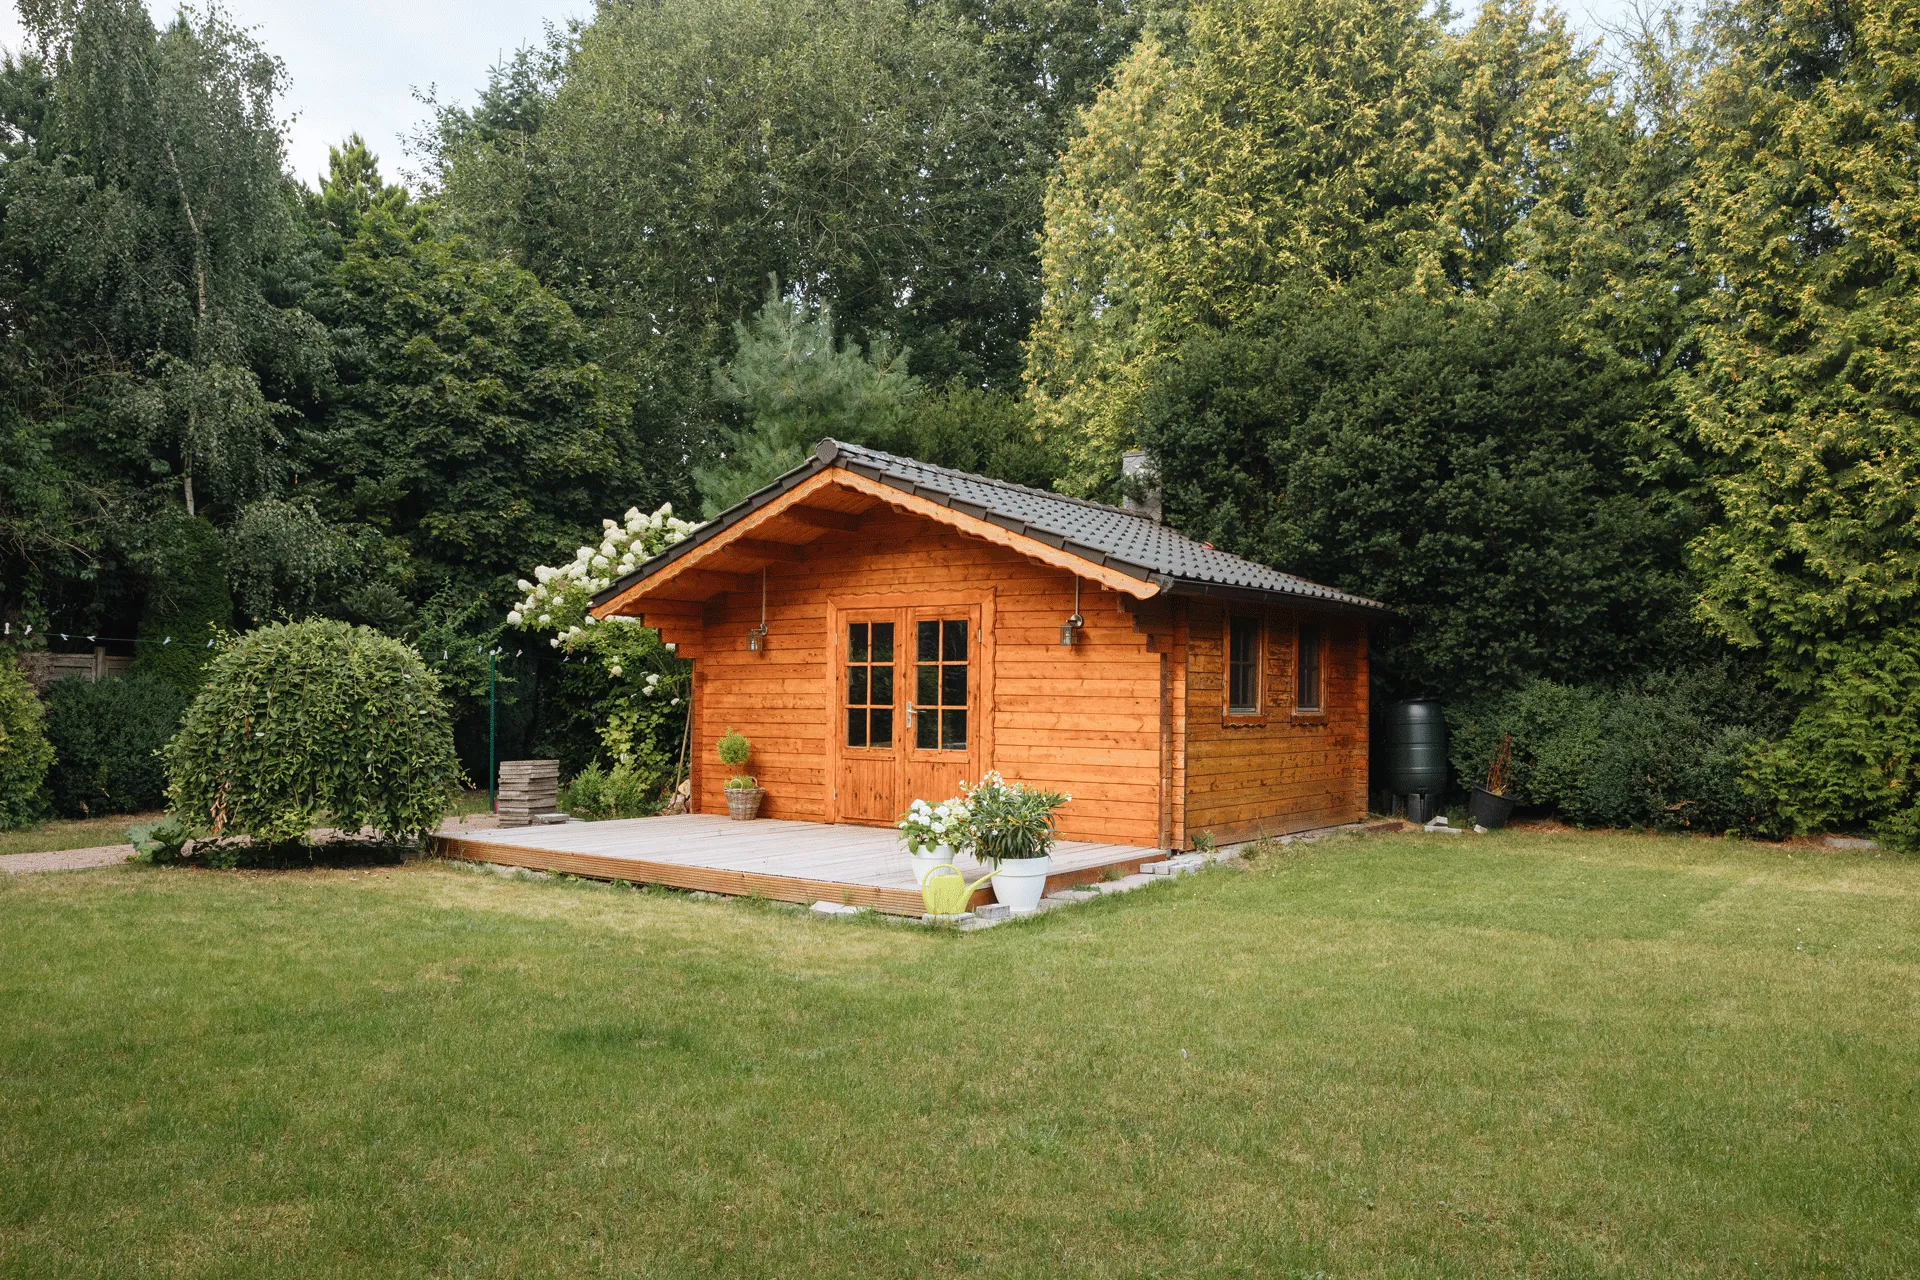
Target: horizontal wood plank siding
(1273,773)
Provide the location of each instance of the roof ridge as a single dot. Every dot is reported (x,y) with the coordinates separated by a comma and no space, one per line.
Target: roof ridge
(1014,485)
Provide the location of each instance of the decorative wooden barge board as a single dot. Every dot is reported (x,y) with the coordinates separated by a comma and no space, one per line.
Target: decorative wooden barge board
(766,858)
(1160,723)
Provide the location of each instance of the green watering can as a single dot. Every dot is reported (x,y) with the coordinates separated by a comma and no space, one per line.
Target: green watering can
(946,891)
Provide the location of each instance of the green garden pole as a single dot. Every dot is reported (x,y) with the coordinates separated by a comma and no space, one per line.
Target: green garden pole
(492,774)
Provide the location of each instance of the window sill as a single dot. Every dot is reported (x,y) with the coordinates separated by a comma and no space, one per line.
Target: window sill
(1243,719)
(1309,717)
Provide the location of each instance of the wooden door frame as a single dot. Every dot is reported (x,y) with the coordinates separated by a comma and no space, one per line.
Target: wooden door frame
(906,602)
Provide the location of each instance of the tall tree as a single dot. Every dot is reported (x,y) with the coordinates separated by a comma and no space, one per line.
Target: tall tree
(469,423)
(151,269)
(659,164)
(1278,139)
(1807,218)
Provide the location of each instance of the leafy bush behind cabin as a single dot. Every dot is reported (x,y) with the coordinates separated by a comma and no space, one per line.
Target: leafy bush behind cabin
(24,751)
(314,722)
(620,792)
(107,736)
(1669,752)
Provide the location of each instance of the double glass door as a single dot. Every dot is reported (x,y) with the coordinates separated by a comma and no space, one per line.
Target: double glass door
(906,682)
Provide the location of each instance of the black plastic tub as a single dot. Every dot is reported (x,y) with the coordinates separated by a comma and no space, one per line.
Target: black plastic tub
(1489,810)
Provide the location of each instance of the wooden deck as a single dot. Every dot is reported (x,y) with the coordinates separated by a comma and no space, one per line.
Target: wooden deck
(766,858)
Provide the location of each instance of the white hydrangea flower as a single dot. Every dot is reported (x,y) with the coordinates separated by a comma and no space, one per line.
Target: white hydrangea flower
(513,617)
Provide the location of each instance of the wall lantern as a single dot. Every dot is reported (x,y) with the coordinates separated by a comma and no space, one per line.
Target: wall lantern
(757,636)
(1073,624)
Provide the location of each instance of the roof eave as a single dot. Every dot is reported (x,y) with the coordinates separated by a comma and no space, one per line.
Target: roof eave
(1196,587)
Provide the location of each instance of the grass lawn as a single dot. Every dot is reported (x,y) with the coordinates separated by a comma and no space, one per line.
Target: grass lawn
(1524,1054)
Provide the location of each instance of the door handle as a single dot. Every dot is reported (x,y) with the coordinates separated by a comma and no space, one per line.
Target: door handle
(909,715)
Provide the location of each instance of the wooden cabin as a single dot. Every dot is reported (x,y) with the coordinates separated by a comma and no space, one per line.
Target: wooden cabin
(883,630)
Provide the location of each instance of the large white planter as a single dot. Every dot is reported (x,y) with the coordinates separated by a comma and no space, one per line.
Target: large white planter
(1021,883)
(924,863)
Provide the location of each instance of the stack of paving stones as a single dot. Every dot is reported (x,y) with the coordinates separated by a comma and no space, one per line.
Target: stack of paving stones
(529,792)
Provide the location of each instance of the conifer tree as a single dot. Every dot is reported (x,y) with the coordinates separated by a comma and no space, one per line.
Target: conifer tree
(1808,221)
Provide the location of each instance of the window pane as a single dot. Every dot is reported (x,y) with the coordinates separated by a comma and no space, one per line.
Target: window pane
(880,727)
(882,687)
(926,685)
(1240,687)
(955,641)
(953,730)
(856,727)
(883,642)
(1246,635)
(926,729)
(928,642)
(856,642)
(1308,695)
(953,686)
(856,686)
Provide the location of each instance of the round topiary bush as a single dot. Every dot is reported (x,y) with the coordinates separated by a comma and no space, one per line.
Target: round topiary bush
(107,736)
(316,723)
(24,753)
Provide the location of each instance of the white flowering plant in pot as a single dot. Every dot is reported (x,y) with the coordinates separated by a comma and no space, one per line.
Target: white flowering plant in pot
(648,683)
(925,827)
(935,833)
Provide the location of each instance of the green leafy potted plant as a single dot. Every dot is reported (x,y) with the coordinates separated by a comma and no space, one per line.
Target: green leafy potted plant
(934,834)
(1490,806)
(743,790)
(1013,831)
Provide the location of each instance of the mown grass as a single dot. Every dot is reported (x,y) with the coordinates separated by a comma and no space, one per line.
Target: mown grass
(1524,1054)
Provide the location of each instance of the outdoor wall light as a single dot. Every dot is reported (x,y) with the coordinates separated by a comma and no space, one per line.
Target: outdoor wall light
(1074,623)
(757,636)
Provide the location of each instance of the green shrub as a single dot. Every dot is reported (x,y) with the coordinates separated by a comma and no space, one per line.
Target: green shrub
(596,793)
(188,604)
(1852,755)
(311,723)
(24,751)
(1669,752)
(107,736)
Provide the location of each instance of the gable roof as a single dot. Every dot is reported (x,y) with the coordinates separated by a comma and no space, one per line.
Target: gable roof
(1125,541)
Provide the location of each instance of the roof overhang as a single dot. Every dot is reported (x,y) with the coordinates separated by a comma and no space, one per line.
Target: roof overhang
(831,490)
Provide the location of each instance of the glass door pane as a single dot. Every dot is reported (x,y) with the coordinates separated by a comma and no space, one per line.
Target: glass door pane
(940,684)
(869,687)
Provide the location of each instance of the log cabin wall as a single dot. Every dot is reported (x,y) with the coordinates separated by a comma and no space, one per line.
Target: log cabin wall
(1087,720)
(1279,770)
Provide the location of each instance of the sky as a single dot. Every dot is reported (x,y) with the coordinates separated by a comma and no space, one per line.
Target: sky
(354,65)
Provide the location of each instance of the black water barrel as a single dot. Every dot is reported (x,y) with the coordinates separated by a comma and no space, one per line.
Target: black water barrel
(1416,748)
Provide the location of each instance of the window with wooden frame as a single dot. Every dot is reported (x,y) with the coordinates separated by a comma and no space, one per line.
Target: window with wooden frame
(1308,684)
(1244,661)
(869,703)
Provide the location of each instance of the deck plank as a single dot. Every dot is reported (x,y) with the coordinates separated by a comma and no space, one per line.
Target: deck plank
(773,858)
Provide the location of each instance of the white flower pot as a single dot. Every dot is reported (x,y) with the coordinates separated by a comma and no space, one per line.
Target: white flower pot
(924,863)
(1021,883)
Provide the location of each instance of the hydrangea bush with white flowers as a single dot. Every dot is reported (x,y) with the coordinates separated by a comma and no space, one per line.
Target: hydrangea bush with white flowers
(649,684)
(927,826)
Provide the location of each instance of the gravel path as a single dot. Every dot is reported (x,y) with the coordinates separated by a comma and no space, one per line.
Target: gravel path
(105,855)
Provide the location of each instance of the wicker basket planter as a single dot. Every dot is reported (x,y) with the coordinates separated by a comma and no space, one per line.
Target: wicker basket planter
(743,803)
